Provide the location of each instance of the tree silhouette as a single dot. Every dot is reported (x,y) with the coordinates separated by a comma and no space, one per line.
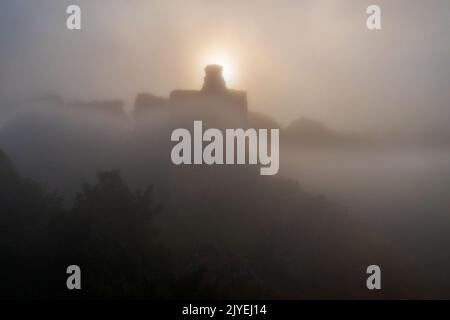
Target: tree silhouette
(116,242)
(26,211)
(108,232)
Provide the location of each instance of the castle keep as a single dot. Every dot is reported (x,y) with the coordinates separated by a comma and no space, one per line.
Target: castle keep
(214,101)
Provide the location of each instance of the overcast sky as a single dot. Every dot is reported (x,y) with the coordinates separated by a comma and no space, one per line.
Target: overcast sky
(295,58)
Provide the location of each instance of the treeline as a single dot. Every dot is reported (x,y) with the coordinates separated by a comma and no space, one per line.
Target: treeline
(108,232)
(219,234)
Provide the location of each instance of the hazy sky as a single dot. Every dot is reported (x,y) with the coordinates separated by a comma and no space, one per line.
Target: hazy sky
(295,58)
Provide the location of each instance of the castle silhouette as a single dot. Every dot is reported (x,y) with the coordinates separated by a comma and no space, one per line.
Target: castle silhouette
(214,103)
(213,100)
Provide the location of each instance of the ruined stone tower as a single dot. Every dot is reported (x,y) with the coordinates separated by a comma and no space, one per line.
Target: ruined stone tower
(213,100)
(214,82)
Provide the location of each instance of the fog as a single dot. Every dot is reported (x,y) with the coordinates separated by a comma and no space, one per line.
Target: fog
(401,195)
(363,115)
(384,197)
(298,58)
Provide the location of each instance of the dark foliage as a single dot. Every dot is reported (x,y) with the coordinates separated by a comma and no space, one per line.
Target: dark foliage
(107,233)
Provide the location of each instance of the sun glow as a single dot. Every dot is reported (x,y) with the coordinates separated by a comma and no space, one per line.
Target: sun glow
(223,59)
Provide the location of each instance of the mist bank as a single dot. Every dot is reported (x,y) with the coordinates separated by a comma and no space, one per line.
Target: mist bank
(303,132)
(262,228)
